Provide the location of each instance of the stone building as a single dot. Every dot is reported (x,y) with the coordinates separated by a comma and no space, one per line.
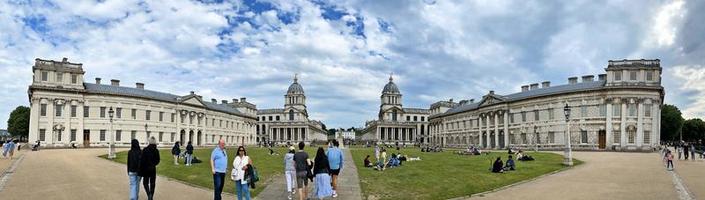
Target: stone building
(619,111)
(290,124)
(66,110)
(395,123)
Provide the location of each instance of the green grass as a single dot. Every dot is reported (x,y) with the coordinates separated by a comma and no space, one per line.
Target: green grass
(199,174)
(445,175)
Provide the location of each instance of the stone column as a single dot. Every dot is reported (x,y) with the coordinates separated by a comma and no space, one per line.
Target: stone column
(487,128)
(506,129)
(623,122)
(49,134)
(496,130)
(608,125)
(34,120)
(640,125)
(656,135)
(654,125)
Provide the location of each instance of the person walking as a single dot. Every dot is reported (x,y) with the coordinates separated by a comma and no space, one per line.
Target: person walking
(189,154)
(133,164)
(335,162)
(679,149)
(219,164)
(321,169)
(148,167)
(176,151)
(685,151)
(290,172)
(240,165)
(376,153)
(669,160)
(11,148)
(301,161)
(692,152)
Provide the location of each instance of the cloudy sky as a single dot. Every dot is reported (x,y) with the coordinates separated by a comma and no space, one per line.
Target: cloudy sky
(344,51)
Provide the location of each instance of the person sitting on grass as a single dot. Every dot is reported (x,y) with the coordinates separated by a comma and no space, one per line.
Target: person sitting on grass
(497,166)
(367,161)
(510,164)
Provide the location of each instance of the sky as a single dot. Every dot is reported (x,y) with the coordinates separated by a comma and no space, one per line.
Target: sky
(345,51)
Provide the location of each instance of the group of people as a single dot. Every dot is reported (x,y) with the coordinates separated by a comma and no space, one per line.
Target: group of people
(8,149)
(432,149)
(243,172)
(687,150)
(499,167)
(142,164)
(323,171)
(381,162)
(188,154)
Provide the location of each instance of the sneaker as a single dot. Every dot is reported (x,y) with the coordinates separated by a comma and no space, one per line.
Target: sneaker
(335,195)
(289,196)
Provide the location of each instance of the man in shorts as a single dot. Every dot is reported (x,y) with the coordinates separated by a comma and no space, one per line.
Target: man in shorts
(301,162)
(335,161)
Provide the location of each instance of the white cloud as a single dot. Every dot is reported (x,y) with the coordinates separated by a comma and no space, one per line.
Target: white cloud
(665,24)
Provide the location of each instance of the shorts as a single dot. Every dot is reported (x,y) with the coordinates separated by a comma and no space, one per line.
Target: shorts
(301,179)
(334,172)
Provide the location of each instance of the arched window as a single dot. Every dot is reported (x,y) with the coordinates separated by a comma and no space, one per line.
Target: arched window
(291,115)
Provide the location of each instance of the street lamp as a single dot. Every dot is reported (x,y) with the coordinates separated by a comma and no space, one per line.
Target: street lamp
(111,146)
(567,154)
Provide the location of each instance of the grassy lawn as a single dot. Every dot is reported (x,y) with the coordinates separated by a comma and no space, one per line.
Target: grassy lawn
(269,167)
(445,175)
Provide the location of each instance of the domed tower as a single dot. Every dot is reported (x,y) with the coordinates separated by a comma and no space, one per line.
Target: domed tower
(391,101)
(295,98)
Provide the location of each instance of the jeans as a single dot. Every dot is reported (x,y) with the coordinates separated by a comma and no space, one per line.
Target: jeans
(149,184)
(242,190)
(134,185)
(218,182)
(669,164)
(290,180)
(189,159)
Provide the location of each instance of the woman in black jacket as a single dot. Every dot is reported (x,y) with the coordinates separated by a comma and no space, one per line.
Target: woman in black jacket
(148,167)
(321,169)
(133,167)
(189,154)
(176,151)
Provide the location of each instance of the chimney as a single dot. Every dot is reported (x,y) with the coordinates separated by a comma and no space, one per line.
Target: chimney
(140,85)
(534,86)
(115,82)
(572,80)
(524,88)
(192,92)
(235,100)
(214,100)
(601,77)
(491,91)
(588,78)
(545,84)
(243,99)
(97,80)
(450,100)
(224,101)
(64,60)
(472,100)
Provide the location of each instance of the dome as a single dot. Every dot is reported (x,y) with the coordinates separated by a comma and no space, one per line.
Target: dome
(295,88)
(391,87)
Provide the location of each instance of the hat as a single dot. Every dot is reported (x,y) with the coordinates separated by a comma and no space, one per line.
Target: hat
(291,148)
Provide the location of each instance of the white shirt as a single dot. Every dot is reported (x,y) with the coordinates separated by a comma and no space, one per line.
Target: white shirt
(238,164)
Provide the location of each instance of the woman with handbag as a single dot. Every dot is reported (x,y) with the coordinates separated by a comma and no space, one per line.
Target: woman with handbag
(240,164)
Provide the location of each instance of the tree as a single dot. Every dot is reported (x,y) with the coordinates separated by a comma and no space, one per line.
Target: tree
(18,123)
(671,122)
(693,129)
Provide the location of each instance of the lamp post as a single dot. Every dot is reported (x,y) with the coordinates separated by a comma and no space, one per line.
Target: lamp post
(567,154)
(111,146)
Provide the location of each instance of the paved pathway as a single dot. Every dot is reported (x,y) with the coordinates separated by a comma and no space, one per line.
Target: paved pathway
(692,173)
(79,174)
(348,183)
(604,175)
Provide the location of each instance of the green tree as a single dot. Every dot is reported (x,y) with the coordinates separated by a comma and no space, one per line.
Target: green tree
(18,123)
(693,129)
(671,122)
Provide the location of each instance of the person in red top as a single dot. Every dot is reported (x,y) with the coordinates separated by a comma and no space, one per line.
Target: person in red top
(669,160)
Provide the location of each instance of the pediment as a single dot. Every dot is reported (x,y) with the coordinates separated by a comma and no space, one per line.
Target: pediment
(490,99)
(193,100)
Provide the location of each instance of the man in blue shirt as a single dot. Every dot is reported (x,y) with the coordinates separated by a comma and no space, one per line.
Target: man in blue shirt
(335,161)
(219,164)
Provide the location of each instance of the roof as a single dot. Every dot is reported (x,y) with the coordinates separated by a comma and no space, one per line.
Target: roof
(416,110)
(92,88)
(270,111)
(391,87)
(4,132)
(560,89)
(295,87)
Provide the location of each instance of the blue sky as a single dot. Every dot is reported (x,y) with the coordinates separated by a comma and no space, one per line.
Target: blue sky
(344,51)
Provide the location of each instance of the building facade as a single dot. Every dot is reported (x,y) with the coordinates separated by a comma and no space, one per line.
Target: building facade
(346,134)
(290,124)
(618,111)
(395,123)
(66,110)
